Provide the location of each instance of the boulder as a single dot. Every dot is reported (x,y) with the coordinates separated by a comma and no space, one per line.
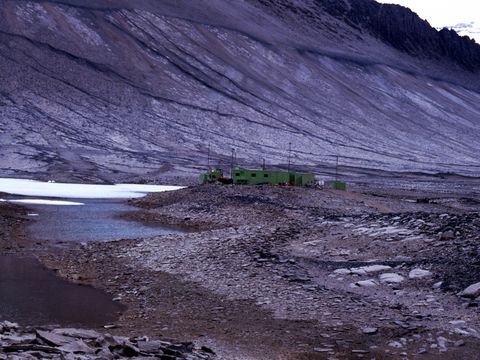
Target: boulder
(77,347)
(78,333)
(371,269)
(365,283)
(342,272)
(419,274)
(54,339)
(369,330)
(447,235)
(471,291)
(149,346)
(391,278)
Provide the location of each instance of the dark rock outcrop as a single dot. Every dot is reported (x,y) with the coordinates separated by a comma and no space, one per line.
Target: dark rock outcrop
(396,25)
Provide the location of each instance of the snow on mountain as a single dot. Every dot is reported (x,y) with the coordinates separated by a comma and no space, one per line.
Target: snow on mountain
(102,90)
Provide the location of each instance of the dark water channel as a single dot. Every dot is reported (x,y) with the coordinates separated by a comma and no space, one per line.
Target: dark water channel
(33,295)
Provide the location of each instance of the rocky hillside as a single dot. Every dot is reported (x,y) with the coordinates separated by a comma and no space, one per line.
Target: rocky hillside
(107,90)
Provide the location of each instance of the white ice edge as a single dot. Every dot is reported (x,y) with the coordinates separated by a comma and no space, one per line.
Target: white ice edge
(43,202)
(79,191)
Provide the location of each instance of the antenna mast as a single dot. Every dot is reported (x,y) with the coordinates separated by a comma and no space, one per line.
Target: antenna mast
(232,162)
(208,157)
(289,154)
(336,169)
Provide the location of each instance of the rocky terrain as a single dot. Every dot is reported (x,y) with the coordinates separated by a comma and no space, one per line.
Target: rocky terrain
(138,90)
(12,221)
(77,344)
(295,273)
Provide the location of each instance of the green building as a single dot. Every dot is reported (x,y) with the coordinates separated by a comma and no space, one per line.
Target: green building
(263,177)
(211,176)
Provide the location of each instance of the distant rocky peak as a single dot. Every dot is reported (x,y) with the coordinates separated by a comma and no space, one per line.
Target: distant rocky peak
(394,25)
(471,30)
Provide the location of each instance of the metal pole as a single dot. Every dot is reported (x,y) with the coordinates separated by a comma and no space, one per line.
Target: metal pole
(263,165)
(231,170)
(336,170)
(289,155)
(208,157)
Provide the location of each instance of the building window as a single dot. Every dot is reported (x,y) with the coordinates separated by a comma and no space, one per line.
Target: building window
(254,175)
(237,174)
(265,175)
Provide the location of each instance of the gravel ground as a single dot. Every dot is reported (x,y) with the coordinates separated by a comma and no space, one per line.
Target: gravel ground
(290,273)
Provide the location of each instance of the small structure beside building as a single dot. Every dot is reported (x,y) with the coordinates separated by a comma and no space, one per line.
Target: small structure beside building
(336,185)
(211,176)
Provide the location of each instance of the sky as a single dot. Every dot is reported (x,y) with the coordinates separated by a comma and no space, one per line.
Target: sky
(441,13)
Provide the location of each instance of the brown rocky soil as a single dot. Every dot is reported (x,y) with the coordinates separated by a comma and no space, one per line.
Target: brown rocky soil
(289,273)
(12,221)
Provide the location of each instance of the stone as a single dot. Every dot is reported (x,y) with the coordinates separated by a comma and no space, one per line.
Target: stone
(471,291)
(78,333)
(358,271)
(442,344)
(360,351)
(54,339)
(447,235)
(459,343)
(105,354)
(419,274)
(395,344)
(7,326)
(149,346)
(342,272)
(391,278)
(365,283)
(457,322)
(110,326)
(18,339)
(369,330)
(80,344)
(77,346)
(371,269)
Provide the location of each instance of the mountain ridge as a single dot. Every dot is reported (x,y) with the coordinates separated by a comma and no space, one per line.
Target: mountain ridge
(141,91)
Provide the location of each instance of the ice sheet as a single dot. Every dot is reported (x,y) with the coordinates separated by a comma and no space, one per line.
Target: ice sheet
(79,191)
(43,202)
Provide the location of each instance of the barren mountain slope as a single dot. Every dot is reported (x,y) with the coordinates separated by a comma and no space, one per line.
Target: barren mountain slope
(107,89)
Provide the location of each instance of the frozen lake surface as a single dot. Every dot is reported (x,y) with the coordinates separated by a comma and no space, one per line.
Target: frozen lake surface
(93,216)
(79,191)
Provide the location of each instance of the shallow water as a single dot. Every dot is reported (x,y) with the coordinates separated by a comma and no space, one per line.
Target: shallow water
(32,295)
(97,220)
